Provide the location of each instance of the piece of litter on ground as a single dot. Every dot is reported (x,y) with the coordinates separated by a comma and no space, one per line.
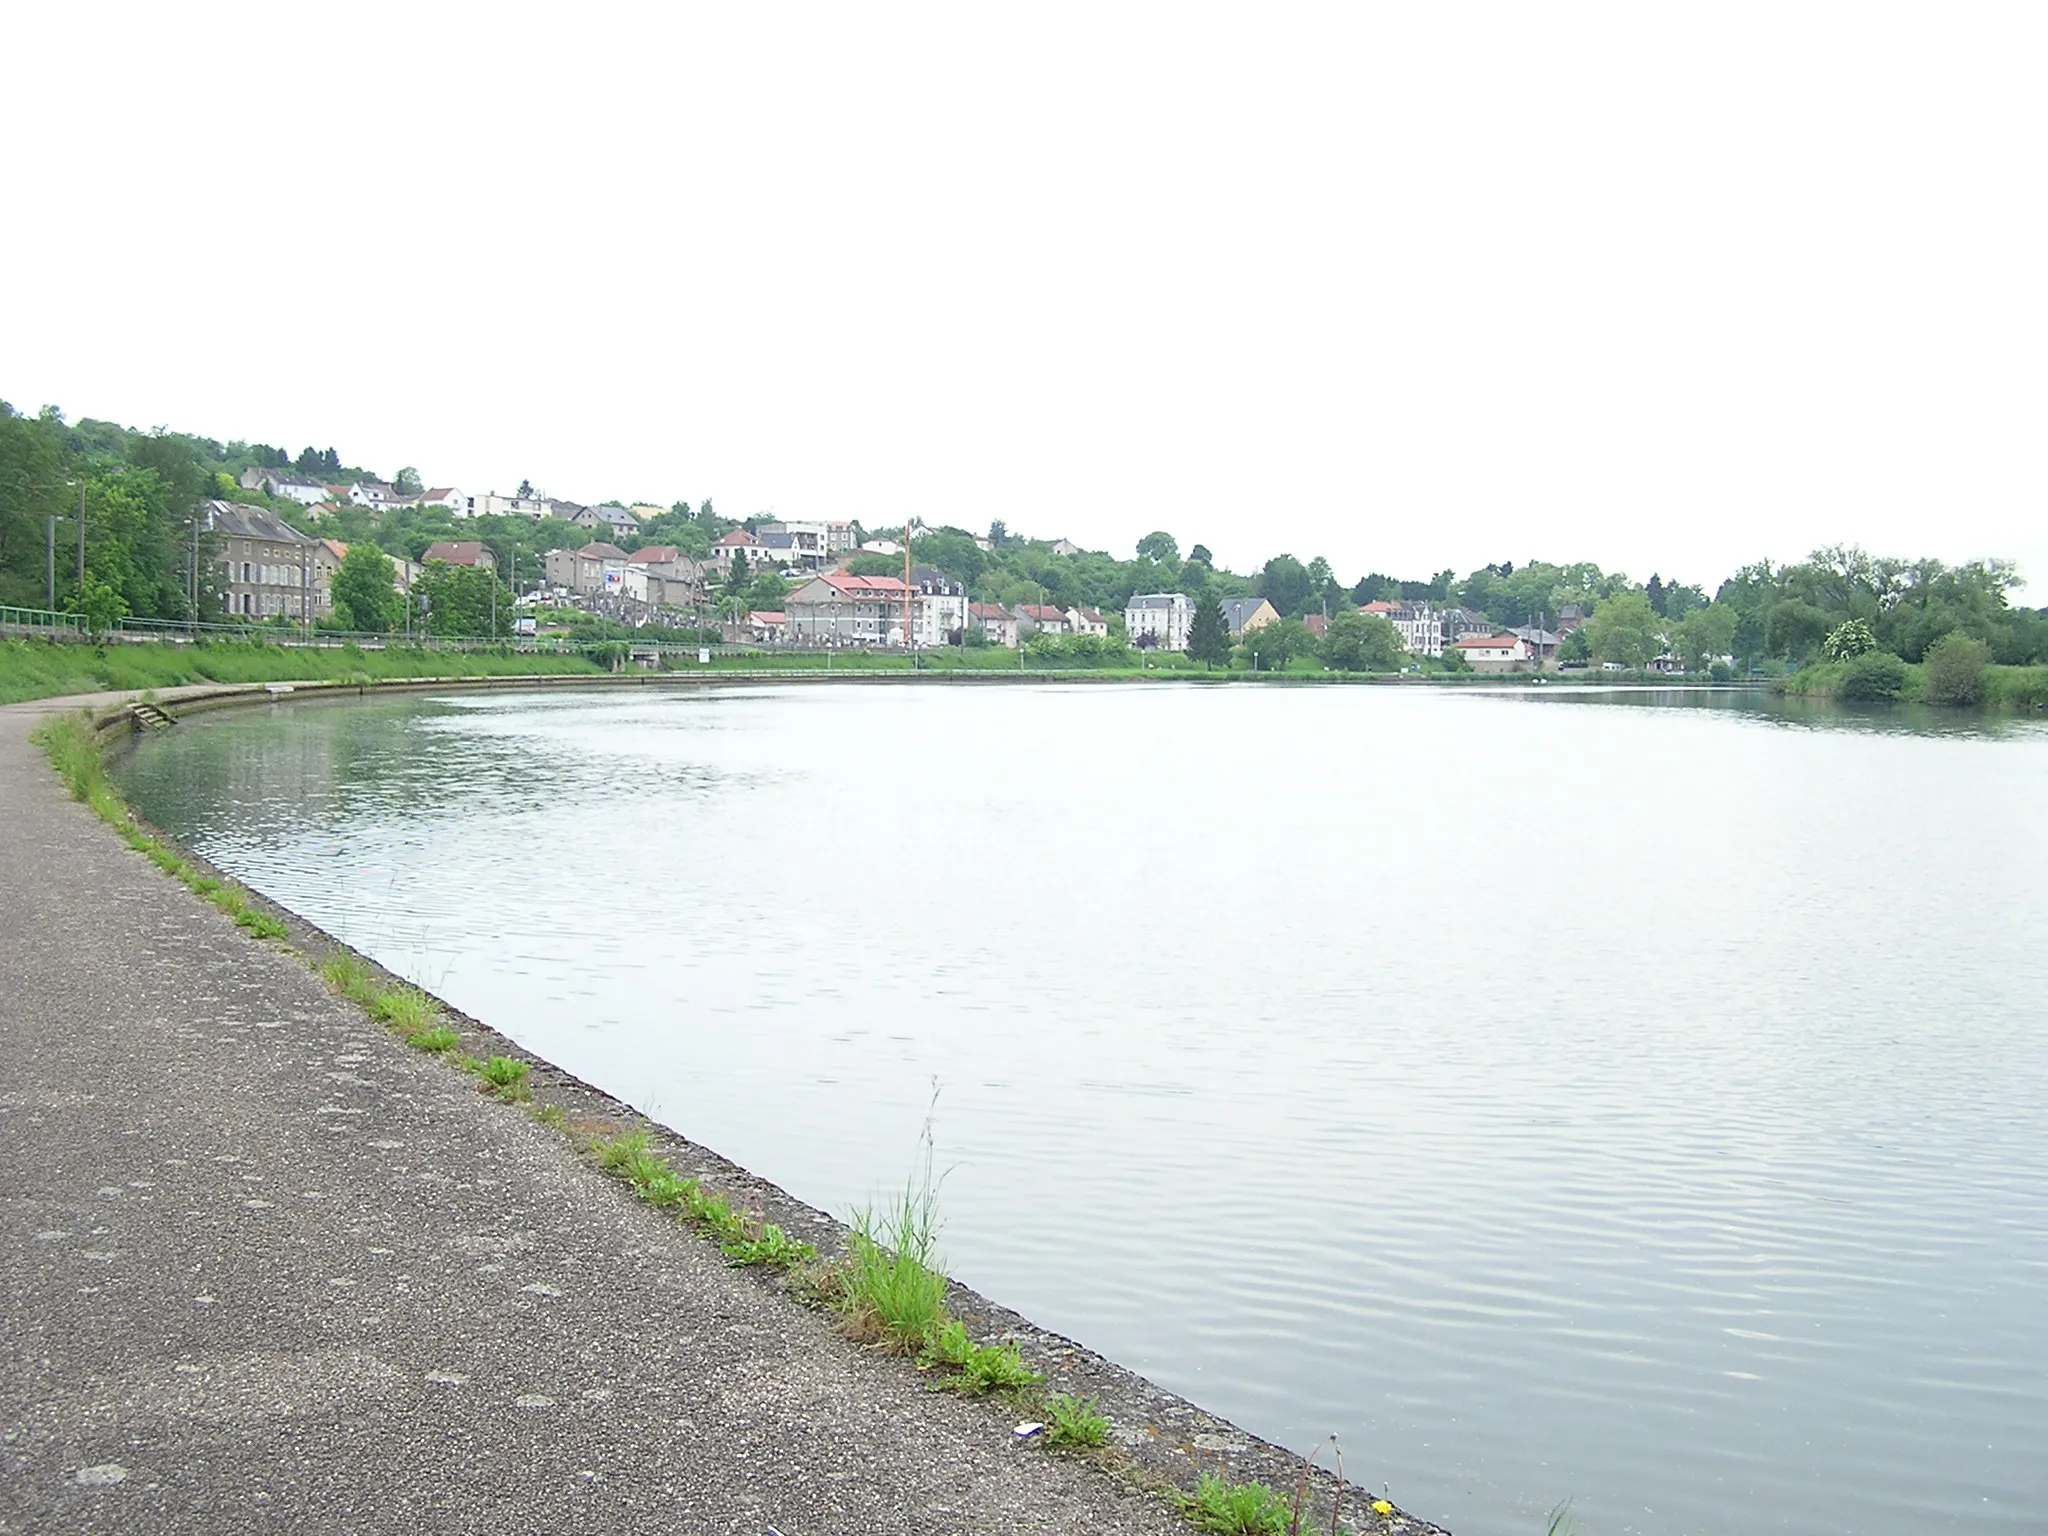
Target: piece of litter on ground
(1026,1430)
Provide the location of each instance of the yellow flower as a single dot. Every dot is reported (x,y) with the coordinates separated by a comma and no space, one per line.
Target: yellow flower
(1382,1507)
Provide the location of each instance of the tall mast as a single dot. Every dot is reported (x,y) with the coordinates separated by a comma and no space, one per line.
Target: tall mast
(906,590)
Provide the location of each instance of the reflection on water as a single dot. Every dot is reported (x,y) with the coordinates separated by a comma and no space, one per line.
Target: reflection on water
(1636,1100)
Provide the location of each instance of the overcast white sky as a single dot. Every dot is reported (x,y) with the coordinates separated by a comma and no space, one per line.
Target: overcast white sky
(1665,287)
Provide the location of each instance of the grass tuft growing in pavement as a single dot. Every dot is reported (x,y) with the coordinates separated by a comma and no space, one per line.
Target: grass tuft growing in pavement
(1234,1509)
(1074,1421)
(978,1367)
(505,1078)
(745,1240)
(436,1040)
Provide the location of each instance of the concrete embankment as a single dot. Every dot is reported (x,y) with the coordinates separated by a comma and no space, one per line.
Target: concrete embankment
(262,1266)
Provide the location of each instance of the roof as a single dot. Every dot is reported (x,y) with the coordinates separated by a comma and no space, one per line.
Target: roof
(1156,599)
(1380,607)
(239,520)
(597,550)
(989,611)
(457,552)
(617,516)
(1534,635)
(1091,615)
(1487,642)
(439,493)
(767,616)
(857,585)
(655,554)
(1041,612)
(337,548)
(736,538)
(1238,609)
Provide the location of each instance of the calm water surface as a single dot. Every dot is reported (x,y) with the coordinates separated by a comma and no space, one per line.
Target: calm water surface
(1617,1099)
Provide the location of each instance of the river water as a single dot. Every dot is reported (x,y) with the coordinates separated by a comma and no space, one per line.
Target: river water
(1630,1098)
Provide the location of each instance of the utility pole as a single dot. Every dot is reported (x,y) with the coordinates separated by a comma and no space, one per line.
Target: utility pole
(81,533)
(906,595)
(50,563)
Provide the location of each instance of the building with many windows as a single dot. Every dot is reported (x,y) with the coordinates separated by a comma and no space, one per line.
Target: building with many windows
(1159,620)
(268,569)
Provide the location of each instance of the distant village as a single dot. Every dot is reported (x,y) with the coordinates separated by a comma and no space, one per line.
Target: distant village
(270,569)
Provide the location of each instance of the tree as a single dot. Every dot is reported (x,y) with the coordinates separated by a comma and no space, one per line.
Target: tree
(1653,589)
(1201,552)
(1848,640)
(1284,583)
(1158,547)
(1625,628)
(364,597)
(1362,642)
(407,482)
(736,577)
(998,533)
(1208,634)
(525,489)
(1955,670)
(461,599)
(1275,645)
(101,606)
(1703,636)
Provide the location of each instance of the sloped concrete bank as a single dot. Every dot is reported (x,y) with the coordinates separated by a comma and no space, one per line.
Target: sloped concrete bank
(265,1266)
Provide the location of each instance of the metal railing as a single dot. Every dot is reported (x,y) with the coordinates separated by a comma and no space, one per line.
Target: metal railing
(39,621)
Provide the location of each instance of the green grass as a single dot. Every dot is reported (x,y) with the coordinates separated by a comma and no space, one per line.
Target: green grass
(68,742)
(977,1368)
(2014,690)
(1234,1509)
(894,1286)
(506,1078)
(40,669)
(436,1040)
(746,1241)
(1074,1421)
(407,1010)
(346,974)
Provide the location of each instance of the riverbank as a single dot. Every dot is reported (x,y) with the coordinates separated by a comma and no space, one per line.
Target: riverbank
(1882,678)
(37,669)
(326,1274)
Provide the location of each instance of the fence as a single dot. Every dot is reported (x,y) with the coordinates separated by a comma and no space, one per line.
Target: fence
(40,621)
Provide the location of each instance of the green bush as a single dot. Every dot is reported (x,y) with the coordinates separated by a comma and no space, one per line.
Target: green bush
(1873,676)
(1954,670)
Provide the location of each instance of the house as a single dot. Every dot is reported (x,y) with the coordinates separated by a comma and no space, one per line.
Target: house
(1421,628)
(286,487)
(268,569)
(1317,624)
(1493,653)
(460,552)
(767,628)
(616,520)
(590,571)
(994,621)
(374,494)
(1158,620)
(938,607)
(881,547)
(779,551)
(447,498)
(1542,644)
(734,544)
(1087,621)
(1064,547)
(1460,622)
(809,543)
(662,576)
(491,504)
(1040,619)
(833,608)
(403,571)
(1570,617)
(1245,614)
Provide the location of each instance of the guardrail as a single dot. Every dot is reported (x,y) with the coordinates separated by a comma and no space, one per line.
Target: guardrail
(40,621)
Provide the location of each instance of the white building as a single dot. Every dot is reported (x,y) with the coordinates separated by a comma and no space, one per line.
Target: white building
(1493,653)
(374,494)
(1421,627)
(1164,616)
(447,498)
(938,606)
(491,504)
(1087,621)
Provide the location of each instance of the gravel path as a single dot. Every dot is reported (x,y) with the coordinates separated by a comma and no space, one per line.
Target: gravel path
(264,1268)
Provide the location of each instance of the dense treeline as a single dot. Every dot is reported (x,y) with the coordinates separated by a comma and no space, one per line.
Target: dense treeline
(139,489)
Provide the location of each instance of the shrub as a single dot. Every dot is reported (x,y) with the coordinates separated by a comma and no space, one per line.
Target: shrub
(1075,1421)
(1954,670)
(1848,640)
(1872,676)
(1234,1509)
